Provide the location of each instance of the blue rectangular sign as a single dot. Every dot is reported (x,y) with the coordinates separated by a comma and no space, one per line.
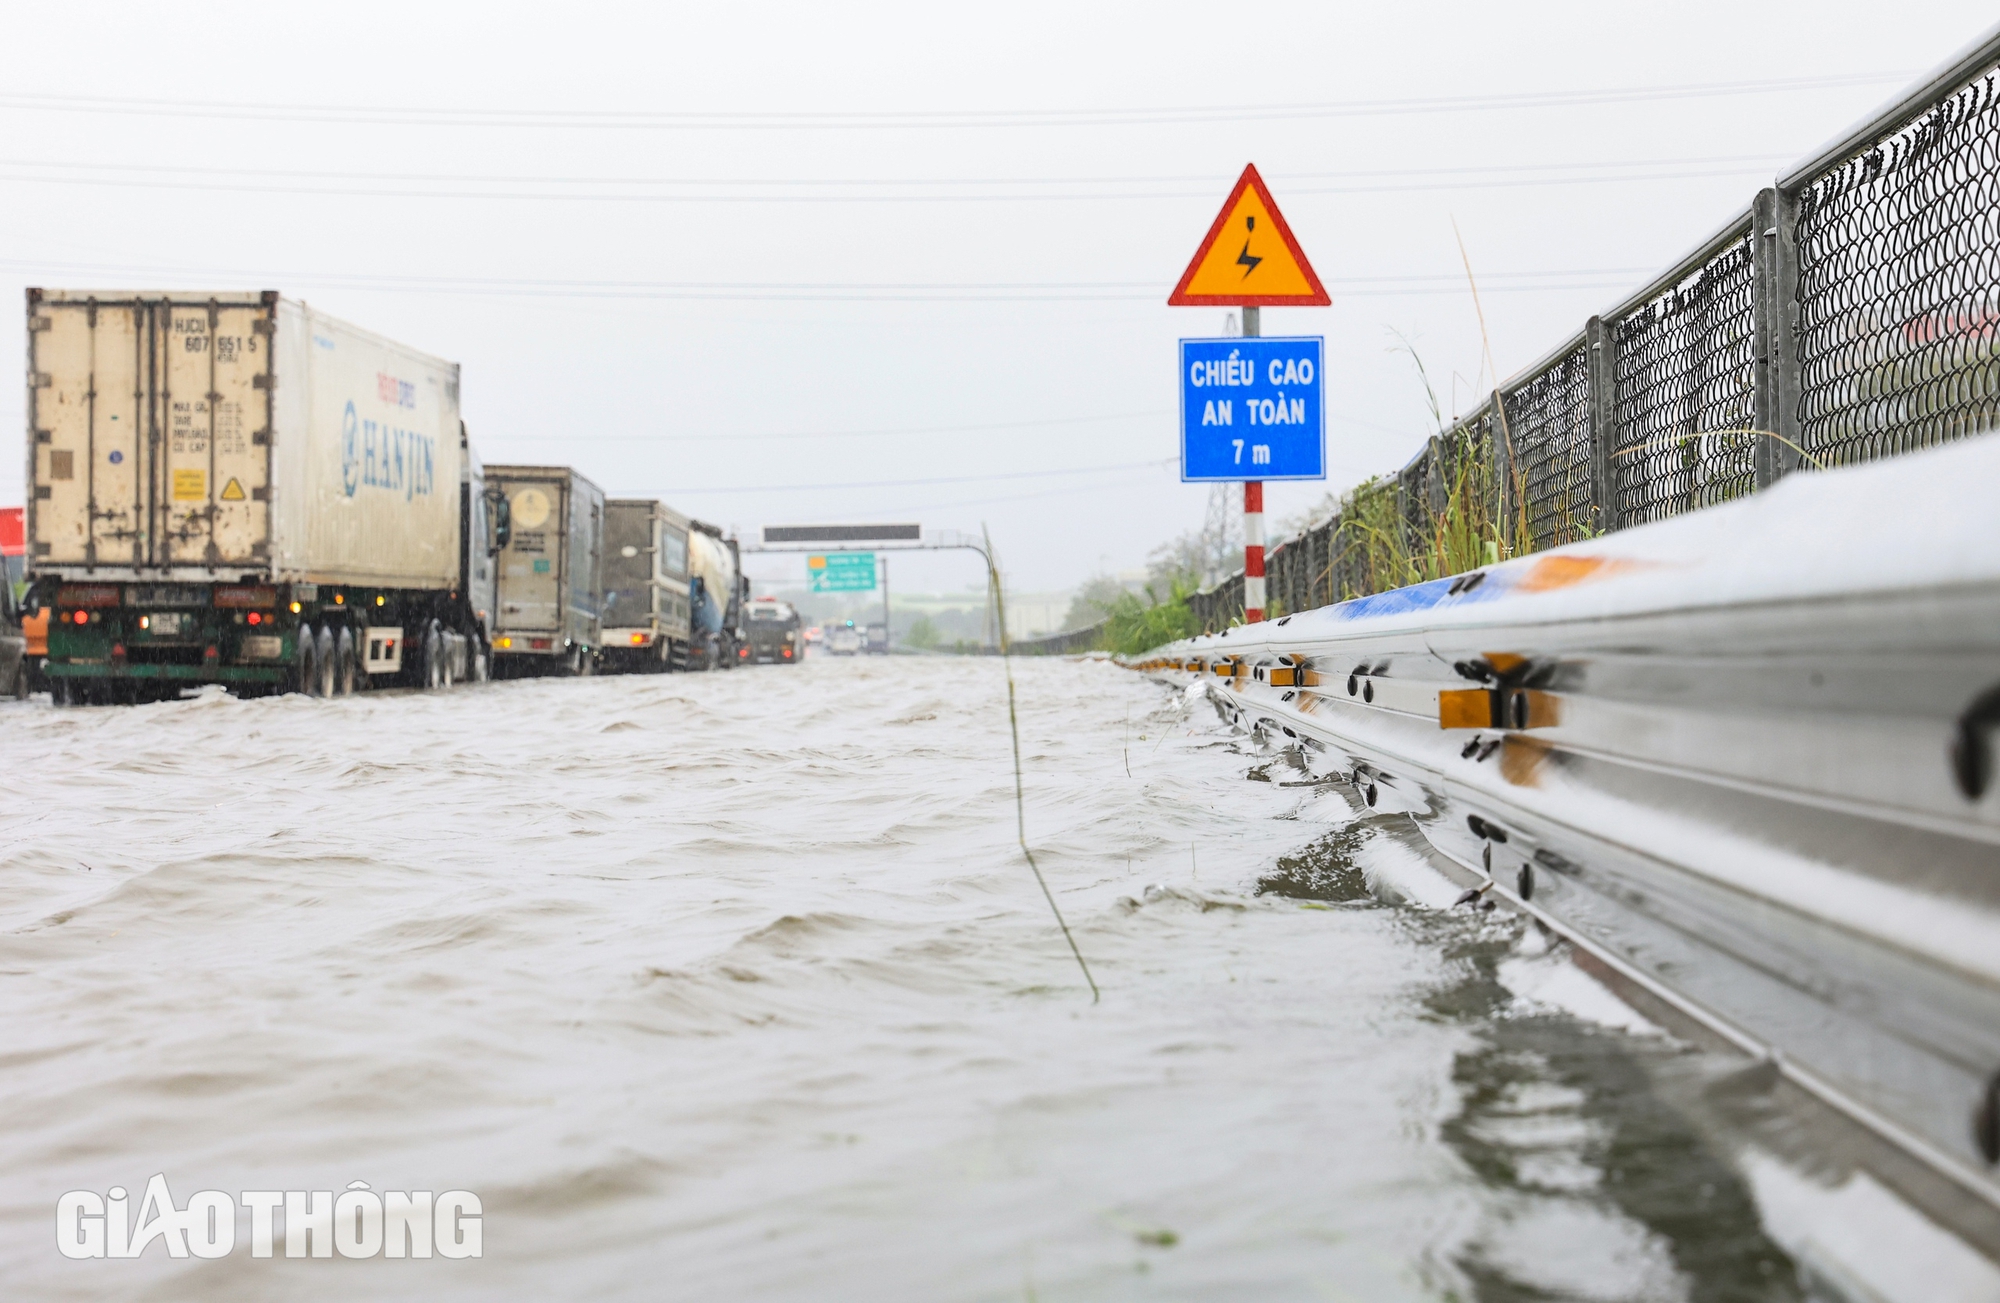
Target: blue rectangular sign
(1251,410)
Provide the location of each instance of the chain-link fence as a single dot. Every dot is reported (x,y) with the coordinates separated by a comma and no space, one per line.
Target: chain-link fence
(1852,312)
(1547,485)
(1683,401)
(1899,264)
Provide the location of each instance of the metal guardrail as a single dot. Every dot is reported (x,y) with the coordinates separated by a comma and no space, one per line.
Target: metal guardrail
(1060,644)
(1850,312)
(1766,791)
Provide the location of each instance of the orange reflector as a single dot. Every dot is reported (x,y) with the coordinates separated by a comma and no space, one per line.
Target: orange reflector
(638,640)
(1465,708)
(503,643)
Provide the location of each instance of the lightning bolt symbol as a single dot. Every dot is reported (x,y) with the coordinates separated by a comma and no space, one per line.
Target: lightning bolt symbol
(1246,262)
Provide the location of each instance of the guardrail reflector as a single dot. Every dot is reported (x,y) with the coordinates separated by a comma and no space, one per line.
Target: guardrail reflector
(1466,708)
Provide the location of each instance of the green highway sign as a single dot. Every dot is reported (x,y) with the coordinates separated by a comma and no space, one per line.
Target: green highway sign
(841,572)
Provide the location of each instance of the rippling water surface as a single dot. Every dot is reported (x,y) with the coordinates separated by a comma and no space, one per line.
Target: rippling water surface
(736,986)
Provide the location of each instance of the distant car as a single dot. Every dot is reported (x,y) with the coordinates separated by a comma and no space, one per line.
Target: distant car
(877,641)
(844,640)
(814,633)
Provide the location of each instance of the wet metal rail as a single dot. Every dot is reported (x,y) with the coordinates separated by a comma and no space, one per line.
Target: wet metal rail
(1746,756)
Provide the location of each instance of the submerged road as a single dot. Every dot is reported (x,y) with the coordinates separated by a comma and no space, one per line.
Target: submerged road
(736,986)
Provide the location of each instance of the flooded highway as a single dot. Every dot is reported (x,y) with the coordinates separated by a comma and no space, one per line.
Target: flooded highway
(737,986)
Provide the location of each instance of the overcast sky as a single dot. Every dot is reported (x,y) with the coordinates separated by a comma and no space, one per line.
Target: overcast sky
(781,262)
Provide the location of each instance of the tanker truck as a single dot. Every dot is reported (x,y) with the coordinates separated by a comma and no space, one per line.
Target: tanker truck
(235,488)
(716,592)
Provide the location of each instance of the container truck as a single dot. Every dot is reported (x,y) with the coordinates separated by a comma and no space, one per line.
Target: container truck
(235,488)
(13,646)
(551,572)
(645,586)
(716,592)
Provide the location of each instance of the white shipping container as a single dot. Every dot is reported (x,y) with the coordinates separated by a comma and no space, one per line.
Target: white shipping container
(208,437)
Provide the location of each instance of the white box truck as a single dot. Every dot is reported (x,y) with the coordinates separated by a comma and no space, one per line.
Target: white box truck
(235,488)
(551,595)
(645,586)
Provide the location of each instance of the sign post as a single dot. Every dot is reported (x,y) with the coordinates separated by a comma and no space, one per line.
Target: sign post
(1277,395)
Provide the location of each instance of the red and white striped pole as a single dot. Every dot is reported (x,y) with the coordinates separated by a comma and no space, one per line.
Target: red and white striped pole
(1253,551)
(1253,515)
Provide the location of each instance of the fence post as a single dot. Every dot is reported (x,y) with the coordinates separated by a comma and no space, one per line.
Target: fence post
(1500,438)
(1775,264)
(1602,371)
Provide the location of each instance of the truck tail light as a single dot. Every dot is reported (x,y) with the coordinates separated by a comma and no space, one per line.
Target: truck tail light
(638,640)
(503,643)
(81,617)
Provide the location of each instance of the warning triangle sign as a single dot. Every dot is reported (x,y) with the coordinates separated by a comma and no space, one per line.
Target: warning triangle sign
(232,491)
(1249,257)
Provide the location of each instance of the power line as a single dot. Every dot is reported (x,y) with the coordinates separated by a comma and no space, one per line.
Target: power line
(904,484)
(829,434)
(823,291)
(931,119)
(1496,181)
(1205,179)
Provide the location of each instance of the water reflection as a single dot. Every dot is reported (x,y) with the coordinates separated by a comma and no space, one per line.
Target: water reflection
(1601,1187)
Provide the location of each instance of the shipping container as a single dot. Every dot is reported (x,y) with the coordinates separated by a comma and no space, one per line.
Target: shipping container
(237,488)
(645,586)
(551,595)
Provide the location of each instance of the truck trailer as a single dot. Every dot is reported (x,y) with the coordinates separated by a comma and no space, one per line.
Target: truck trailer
(645,586)
(235,488)
(551,572)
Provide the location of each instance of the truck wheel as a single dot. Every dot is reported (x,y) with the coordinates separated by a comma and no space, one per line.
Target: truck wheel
(346,665)
(323,662)
(482,662)
(305,664)
(433,658)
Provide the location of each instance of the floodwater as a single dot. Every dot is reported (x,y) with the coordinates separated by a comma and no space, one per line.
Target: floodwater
(736,986)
